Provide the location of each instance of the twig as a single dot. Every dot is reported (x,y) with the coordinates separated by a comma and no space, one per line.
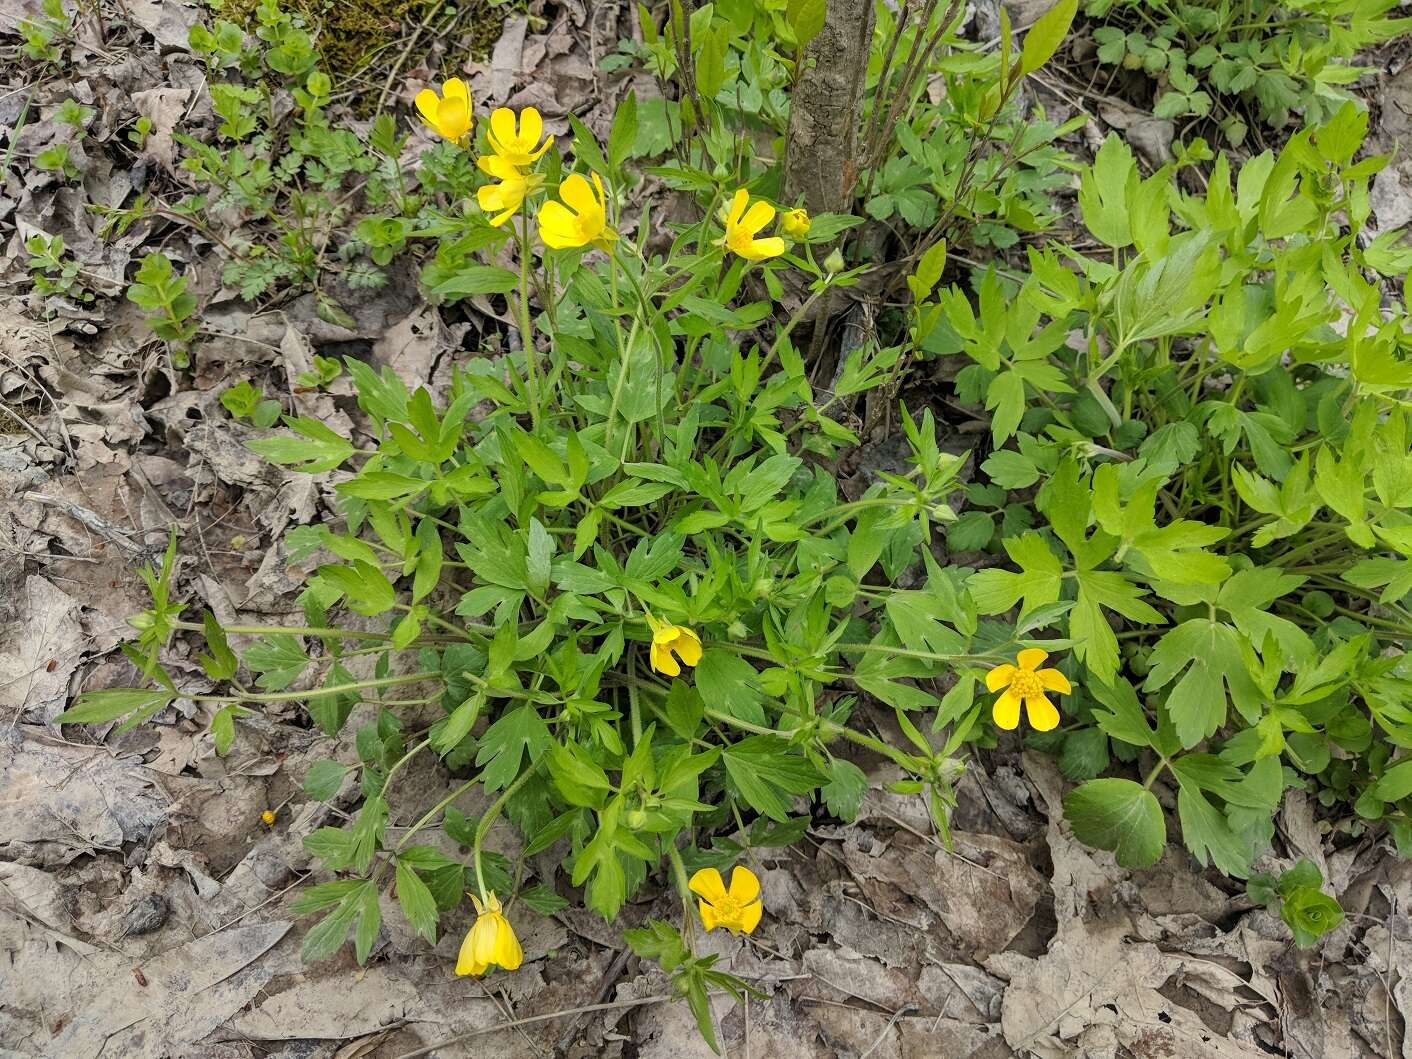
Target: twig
(432,9)
(585,1009)
(91,519)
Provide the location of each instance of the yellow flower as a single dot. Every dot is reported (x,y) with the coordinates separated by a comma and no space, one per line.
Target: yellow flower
(448,115)
(1024,683)
(504,198)
(268,817)
(737,909)
(517,145)
(584,220)
(491,940)
(743,225)
(795,223)
(669,639)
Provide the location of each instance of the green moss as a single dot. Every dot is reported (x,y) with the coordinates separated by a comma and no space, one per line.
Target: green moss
(359,43)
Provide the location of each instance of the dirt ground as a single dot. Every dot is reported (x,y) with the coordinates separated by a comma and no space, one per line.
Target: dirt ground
(144,904)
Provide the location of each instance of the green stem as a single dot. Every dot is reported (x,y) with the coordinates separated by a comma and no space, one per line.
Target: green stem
(688,918)
(526,332)
(489,817)
(314,693)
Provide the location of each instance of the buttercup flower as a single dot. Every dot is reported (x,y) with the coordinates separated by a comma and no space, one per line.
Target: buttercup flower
(670,642)
(737,909)
(743,225)
(795,223)
(584,220)
(1024,683)
(449,114)
(268,817)
(504,198)
(517,145)
(491,940)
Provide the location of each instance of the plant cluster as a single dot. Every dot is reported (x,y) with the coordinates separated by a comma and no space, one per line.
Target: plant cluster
(1228,61)
(615,588)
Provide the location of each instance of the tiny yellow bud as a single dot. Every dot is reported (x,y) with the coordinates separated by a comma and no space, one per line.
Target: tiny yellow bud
(268,817)
(795,223)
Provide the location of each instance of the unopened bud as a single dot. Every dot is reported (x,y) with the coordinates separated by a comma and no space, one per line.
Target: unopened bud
(834,262)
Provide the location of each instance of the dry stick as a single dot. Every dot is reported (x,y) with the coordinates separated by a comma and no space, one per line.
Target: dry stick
(611,975)
(903,17)
(432,9)
(585,1009)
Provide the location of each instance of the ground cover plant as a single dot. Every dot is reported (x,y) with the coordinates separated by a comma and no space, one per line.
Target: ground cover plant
(612,585)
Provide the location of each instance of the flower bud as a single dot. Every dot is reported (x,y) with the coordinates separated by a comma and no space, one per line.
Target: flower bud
(834,262)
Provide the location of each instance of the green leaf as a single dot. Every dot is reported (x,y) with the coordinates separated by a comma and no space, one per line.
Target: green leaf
(806,20)
(223,729)
(279,660)
(1207,833)
(478,279)
(95,707)
(843,793)
(730,685)
(767,771)
(317,448)
(505,743)
(325,937)
(221,663)
(624,133)
(323,779)
(543,900)
(1310,914)
(417,902)
(1394,784)
(1046,35)
(1118,815)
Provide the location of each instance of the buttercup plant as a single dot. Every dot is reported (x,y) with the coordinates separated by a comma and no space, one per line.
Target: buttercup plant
(612,584)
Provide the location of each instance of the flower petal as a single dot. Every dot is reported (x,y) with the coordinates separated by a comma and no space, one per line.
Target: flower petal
(483,936)
(750,916)
(688,646)
(502,129)
(453,118)
(508,953)
(1054,680)
(531,127)
(665,634)
(1042,714)
(1006,711)
(454,86)
(577,193)
(707,883)
(759,215)
(1031,657)
(558,227)
(760,249)
(428,103)
(738,202)
(708,915)
(745,887)
(1000,676)
(465,960)
(662,660)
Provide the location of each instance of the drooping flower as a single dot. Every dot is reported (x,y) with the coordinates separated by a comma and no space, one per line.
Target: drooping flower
(504,198)
(582,221)
(670,642)
(448,114)
(742,225)
(491,941)
(1027,684)
(738,909)
(517,142)
(795,223)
